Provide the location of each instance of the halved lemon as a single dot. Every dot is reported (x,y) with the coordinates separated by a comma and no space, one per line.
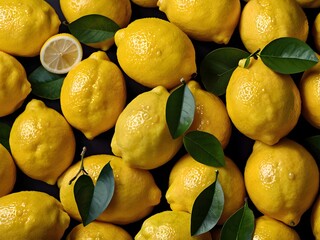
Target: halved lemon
(60,53)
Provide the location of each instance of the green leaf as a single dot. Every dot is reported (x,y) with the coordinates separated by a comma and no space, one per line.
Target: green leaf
(218,66)
(240,225)
(45,84)
(207,208)
(204,148)
(313,145)
(93,200)
(93,28)
(180,109)
(4,135)
(288,55)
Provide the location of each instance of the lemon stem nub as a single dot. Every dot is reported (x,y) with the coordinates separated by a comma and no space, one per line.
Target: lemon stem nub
(84,149)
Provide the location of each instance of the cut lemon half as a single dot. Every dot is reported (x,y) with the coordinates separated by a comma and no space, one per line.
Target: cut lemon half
(60,53)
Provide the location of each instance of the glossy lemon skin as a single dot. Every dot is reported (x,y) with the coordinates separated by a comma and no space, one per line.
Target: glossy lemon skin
(315,218)
(155,52)
(261,103)
(189,178)
(98,230)
(168,225)
(42,142)
(14,85)
(135,195)
(282,180)
(32,215)
(8,172)
(202,19)
(316,32)
(267,228)
(28,24)
(146,3)
(263,21)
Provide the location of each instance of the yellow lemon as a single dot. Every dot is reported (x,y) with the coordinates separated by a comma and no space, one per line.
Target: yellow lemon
(98,230)
(309,3)
(315,218)
(146,3)
(263,21)
(42,142)
(135,193)
(168,225)
(261,103)
(204,20)
(14,85)
(155,52)
(60,53)
(117,10)
(267,228)
(316,32)
(188,178)
(282,180)
(93,95)
(142,138)
(26,25)
(211,114)
(310,95)
(32,215)
(7,171)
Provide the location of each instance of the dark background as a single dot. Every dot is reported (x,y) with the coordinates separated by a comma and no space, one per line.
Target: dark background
(238,149)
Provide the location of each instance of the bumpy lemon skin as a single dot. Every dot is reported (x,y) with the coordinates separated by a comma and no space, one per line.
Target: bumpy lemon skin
(204,20)
(316,32)
(26,25)
(146,3)
(8,172)
(309,3)
(32,215)
(315,218)
(14,85)
(282,180)
(155,52)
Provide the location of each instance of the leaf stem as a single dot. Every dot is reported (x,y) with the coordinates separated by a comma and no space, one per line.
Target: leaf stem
(84,149)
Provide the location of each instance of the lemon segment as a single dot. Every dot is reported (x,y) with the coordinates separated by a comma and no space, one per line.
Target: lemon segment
(61,53)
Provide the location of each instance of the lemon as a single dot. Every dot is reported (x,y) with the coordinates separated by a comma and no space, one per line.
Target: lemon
(282,180)
(117,10)
(261,103)
(310,95)
(60,53)
(142,138)
(26,25)
(315,218)
(134,197)
(309,3)
(14,85)
(98,230)
(93,95)
(204,20)
(211,114)
(32,215)
(42,142)
(316,32)
(267,228)
(155,52)
(7,171)
(146,3)
(168,225)
(263,21)
(188,178)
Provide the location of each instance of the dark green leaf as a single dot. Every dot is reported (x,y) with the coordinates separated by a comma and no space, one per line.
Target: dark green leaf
(205,148)
(45,84)
(102,194)
(313,145)
(288,55)
(4,135)
(207,208)
(180,110)
(93,200)
(93,28)
(218,66)
(240,225)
